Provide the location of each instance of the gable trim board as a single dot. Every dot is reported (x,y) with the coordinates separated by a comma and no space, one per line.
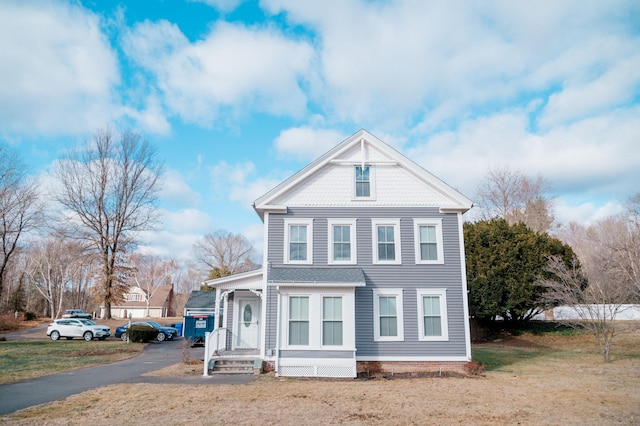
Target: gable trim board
(321,295)
(451,200)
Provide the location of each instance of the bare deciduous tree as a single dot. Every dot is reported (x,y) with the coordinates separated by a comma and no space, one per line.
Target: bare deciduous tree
(150,273)
(109,190)
(224,252)
(20,211)
(596,303)
(631,250)
(51,267)
(185,279)
(508,194)
(609,254)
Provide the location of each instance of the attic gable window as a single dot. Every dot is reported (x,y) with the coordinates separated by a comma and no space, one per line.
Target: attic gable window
(363,181)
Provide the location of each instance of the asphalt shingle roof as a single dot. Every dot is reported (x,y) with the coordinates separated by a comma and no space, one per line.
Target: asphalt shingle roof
(201,300)
(316,275)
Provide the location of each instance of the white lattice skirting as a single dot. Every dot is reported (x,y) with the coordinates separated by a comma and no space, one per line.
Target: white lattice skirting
(323,368)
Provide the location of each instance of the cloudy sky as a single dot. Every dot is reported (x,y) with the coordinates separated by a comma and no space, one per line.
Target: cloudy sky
(239,95)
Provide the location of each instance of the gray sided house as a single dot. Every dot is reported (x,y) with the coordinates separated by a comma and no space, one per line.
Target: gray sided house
(363,271)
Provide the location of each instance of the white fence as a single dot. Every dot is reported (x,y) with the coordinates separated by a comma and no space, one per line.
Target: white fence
(624,312)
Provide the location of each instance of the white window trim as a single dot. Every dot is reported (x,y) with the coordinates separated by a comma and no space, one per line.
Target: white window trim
(416,233)
(287,249)
(442,294)
(316,318)
(397,293)
(372,186)
(352,238)
(396,236)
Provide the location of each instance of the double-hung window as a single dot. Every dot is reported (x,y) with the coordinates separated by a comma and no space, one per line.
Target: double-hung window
(299,320)
(428,239)
(432,314)
(332,321)
(388,315)
(386,241)
(363,182)
(342,241)
(298,241)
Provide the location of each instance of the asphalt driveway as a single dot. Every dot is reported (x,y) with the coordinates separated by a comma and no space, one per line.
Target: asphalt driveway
(27,393)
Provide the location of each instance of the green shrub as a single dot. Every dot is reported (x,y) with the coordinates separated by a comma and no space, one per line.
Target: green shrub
(142,333)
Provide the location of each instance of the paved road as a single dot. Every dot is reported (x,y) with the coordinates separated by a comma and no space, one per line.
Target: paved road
(34,333)
(27,393)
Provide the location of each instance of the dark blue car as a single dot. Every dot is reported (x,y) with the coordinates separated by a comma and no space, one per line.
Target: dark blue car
(164,333)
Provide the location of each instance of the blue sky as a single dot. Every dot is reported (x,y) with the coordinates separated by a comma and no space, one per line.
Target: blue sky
(239,95)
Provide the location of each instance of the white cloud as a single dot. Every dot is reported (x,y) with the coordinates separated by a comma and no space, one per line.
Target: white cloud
(615,87)
(400,62)
(305,143)
(58,70)
(584,213)
(233,69)
(175,190)
(255,235)
(180,229)
(591,159)
(234,182)
(152,118)
(187,222)
(222,5)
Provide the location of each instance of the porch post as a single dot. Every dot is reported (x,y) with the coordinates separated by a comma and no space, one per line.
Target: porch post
(216,315)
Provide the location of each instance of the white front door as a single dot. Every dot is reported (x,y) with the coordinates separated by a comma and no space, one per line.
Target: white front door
(248,324)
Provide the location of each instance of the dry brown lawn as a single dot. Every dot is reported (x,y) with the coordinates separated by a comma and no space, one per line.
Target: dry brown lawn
(553,380)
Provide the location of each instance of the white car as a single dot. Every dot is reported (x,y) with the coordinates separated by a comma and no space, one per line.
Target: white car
(77,327)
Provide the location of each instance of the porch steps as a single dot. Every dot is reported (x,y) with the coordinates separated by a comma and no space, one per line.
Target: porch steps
(233,366)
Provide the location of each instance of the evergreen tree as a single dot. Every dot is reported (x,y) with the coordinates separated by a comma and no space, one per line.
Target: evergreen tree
(504,263)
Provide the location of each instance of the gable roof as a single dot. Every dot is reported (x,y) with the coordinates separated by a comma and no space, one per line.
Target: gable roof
(161,296)
(201,300)
(364,148)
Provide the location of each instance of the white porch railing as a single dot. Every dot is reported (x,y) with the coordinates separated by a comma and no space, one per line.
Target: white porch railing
(214,342)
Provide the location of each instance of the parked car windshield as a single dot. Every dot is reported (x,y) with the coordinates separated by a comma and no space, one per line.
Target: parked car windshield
(87,322)
(155,324)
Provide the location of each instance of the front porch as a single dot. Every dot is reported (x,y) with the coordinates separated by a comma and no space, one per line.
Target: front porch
(221,358)
(234,346)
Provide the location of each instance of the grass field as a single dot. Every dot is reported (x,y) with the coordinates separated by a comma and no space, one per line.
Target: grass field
(530,380)
(21,360)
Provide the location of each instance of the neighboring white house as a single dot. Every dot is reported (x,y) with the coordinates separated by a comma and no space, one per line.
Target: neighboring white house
(135,304)
(620,312)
